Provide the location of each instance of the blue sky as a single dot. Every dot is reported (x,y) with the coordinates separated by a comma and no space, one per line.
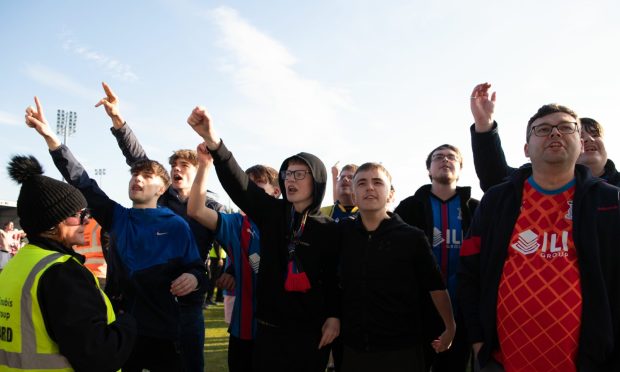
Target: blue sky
(351,81)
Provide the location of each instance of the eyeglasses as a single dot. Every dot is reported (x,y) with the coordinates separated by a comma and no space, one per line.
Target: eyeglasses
(80,218)
(442,157)
(297,174)
(544,130)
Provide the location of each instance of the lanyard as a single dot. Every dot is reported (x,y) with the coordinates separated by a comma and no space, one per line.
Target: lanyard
(296,235)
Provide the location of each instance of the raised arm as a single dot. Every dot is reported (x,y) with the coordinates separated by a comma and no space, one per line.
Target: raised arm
(196,205)
(482,107)
(335,172)
(127,140)
(489,159)
(70,168)
(250,198)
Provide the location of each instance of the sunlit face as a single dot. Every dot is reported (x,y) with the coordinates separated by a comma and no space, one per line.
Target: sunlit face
(144,187)
(371,190)
(182,174)
(555,148)
(344,183)
(299,192)
(594,154)
(445,166)
(9,226)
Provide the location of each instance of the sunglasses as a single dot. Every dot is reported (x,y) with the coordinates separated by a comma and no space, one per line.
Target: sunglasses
(80,218)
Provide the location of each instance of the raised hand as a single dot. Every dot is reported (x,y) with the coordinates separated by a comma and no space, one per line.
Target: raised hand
(200,122)
(482,107)
(111,105)
(204,157)
(35,119)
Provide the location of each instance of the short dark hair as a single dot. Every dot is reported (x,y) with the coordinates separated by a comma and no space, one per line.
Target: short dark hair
(373,166)
(7,223)
(189,156)
(593,127)
(263,173)
(429,158)
(545,110)
(148,166)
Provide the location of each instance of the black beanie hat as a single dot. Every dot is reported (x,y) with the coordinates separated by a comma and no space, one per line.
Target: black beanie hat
(43,202)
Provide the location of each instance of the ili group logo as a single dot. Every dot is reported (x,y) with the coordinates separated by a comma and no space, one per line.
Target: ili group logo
(551,247)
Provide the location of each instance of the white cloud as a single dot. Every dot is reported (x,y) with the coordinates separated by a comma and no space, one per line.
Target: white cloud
(110,65)
(280,98)
(57,80)
(10,119)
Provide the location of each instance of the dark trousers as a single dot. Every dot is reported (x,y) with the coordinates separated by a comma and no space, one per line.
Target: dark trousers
(156,355)
(240,354)
(192,337)
(410,359)
(337,348)
(289,349)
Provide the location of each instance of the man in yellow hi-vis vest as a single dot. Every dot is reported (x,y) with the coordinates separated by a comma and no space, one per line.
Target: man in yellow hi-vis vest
(53,315)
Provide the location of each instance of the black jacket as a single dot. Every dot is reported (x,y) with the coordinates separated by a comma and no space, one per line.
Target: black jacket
(417,211)
(596,233)
(75,315)
(492,168)
(383,273)
(317,251)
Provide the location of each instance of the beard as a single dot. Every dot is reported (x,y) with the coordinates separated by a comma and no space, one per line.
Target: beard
(444,179)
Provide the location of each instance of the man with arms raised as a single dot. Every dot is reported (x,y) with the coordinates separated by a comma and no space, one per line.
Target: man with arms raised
(153,248)
(539,280)
(489,159)
(183,166)
(297,290)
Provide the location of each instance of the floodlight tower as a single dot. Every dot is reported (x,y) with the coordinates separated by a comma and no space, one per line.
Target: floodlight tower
(100,172)
(66,124)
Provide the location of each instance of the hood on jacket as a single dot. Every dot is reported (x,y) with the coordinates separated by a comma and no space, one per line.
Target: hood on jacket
(319,177)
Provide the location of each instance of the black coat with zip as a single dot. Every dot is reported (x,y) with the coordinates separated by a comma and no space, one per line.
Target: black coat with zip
(596,234)
(383,274)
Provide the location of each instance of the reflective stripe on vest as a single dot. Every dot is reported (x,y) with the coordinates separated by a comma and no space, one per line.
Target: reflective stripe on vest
(33,349)
(29,359)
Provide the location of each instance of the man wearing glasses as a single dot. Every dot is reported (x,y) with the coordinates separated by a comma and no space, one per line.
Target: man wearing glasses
(539,282)
(443,211)
(489,159)
(298,307)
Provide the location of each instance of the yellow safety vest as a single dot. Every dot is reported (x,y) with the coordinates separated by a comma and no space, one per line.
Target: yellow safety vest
(25,344)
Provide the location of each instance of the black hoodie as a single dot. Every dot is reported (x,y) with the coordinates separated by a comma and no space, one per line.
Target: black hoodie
(317,250)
